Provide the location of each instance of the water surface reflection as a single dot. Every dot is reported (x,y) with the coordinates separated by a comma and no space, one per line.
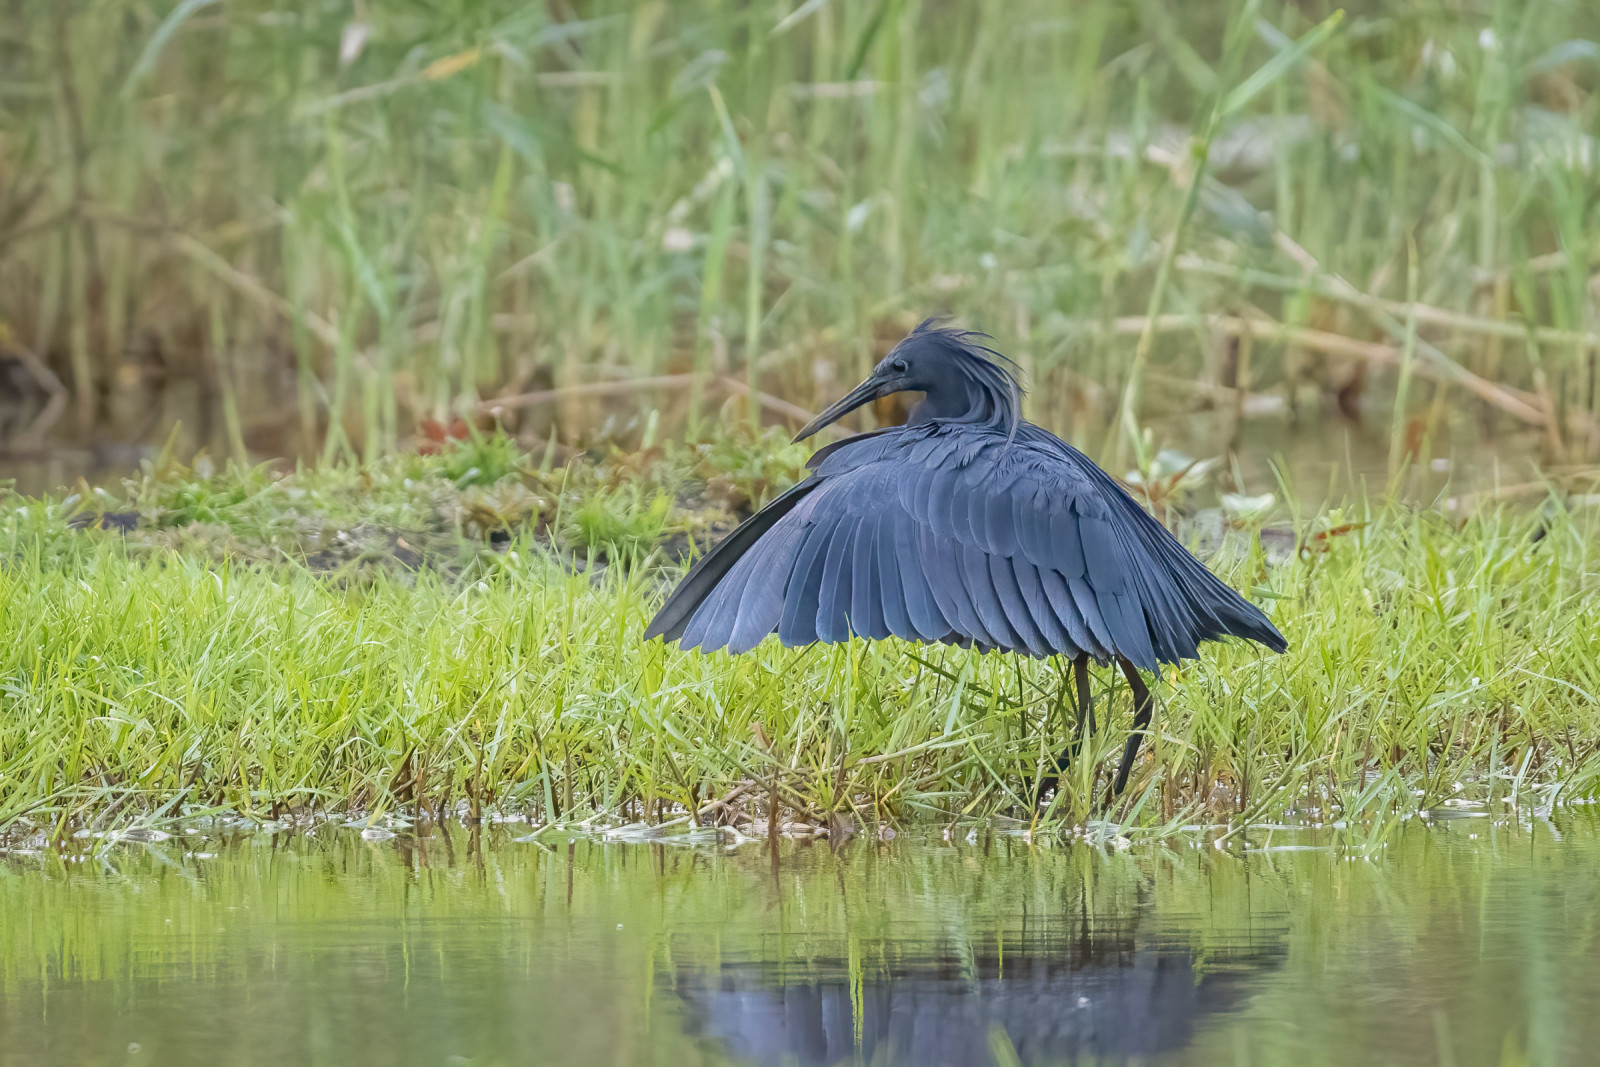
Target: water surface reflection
(1470,943)
(1110,994)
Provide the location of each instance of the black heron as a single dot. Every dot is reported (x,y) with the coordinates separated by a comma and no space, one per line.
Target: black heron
(967,525)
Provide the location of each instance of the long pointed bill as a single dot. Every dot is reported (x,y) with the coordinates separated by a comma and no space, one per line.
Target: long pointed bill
(862,393)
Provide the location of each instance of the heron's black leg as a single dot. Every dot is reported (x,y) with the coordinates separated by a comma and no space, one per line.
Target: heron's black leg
(1085,726)
(1080,672)
(1143,706)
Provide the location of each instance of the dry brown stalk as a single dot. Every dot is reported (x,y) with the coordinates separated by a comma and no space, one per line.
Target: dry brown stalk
(1503,397)
(773,404)
(620,387)
(1336,288)
(252,288)
(626,386)
(50,414)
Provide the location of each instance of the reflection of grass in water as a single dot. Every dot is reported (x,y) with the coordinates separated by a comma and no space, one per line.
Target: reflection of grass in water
(1335,961)
(1428,663)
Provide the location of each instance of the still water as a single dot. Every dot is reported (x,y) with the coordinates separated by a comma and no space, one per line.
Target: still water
(1465,942)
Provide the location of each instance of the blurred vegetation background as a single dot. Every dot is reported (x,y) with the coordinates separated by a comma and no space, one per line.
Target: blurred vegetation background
(333,228)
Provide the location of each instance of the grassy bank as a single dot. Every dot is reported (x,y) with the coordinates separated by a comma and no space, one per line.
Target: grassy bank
(306,229)
(247,646)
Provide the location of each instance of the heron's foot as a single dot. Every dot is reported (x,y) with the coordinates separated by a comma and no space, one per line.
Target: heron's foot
(1049,783)
(1085,727)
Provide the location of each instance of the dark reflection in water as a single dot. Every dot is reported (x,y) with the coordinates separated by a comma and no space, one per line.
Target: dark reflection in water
(1470,943)
(1112,994)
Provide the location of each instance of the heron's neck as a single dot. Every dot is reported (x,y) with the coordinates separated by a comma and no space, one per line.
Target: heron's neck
(968,399)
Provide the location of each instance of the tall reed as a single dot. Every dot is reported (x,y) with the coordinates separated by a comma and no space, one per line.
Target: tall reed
(415,207)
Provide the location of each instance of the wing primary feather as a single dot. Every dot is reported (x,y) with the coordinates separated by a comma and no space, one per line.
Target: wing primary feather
(1126,622)
(1105,563)
(918,495)
(1033,595)
(928,622)
(974,573)
(762,605)
(833,594)
(712,623)
(1066,611)
(1031,517)
(971,503)
(941,564)
(866,581)
(891,594)
(1089,609)
(798,626)
(670,620)
(941,504)
(1004,579)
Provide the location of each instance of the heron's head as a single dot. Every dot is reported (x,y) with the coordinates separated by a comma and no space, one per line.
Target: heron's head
(960,378)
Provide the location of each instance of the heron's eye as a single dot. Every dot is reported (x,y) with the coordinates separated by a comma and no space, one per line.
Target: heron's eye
(899,365)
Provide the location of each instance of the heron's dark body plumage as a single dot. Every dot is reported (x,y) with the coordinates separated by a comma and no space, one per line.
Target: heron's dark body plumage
(965,526)
(986,533)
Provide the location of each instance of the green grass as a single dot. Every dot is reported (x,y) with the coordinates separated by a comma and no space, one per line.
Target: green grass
(217,658)
(261,229)
(321,226)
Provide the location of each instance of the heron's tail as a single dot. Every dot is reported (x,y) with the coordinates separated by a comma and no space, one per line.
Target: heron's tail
(1217,610)
(1194,604)
(1239,617)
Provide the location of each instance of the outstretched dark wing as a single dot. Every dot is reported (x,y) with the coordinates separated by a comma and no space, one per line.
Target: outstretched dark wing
(706,575)
(959,534)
